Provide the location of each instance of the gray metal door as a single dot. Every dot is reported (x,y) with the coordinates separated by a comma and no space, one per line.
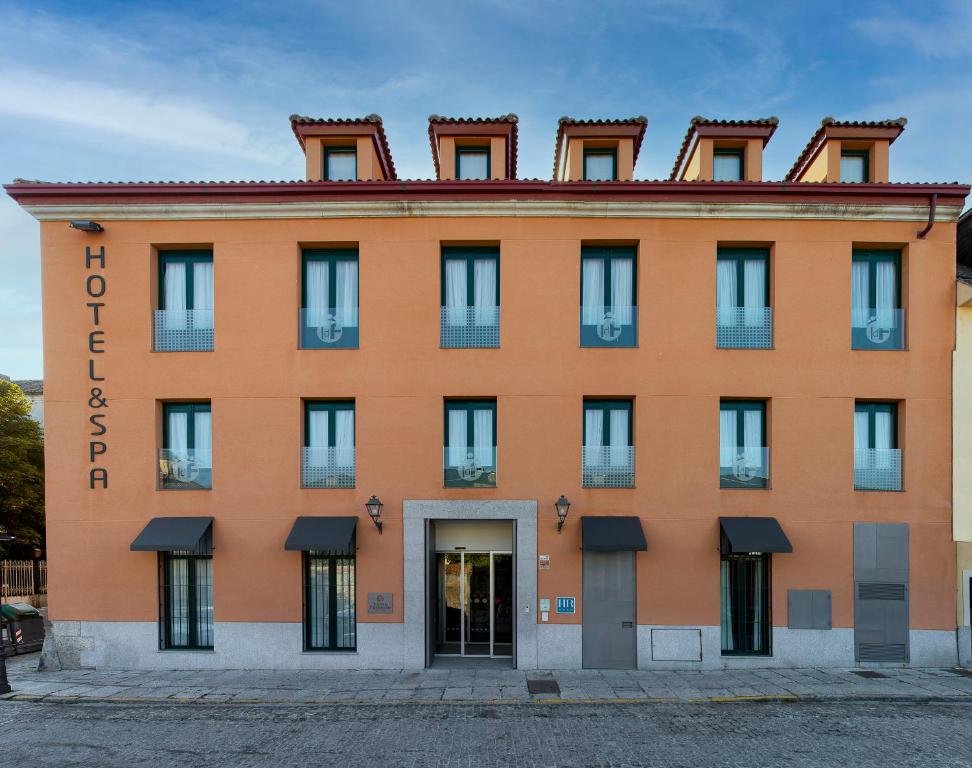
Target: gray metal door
(881,592)
(608,636)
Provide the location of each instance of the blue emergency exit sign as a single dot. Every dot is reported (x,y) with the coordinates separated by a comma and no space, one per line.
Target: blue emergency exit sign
(565,605)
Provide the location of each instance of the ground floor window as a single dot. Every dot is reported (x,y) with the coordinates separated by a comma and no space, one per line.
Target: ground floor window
(329,614)
(746,604)
(186,581)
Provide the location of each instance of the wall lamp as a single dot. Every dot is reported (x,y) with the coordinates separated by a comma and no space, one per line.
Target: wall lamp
(86,226)
(374,507)
(563,507)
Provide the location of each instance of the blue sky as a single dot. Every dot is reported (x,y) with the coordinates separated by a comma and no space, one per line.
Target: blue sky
(106,90)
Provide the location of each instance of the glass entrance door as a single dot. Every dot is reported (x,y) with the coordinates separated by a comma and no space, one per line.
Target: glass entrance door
(474,604)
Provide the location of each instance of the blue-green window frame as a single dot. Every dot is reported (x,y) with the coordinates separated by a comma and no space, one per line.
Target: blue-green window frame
(195,256)
(629,333)
(333,563)
(612,151)
(605,407)
(474,149)
(469,406)
(203,551)
(351,337)
(740,256)
(862,153)
(469,254)
(332,407)
(340,150)
(190,409)
(872,256)
(741,407)
(873,408)
(739,152)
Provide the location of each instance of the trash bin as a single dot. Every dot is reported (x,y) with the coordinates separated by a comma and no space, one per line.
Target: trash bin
(25,627)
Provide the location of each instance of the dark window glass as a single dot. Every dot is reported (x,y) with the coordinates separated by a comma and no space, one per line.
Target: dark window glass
(470,443)
(329,299)
(329,603)
(746,620)
(186,597)
(609,312)
(340,164)
(186,458)
(743,455)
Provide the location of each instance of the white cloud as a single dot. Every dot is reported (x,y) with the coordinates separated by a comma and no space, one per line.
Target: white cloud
(132,114)
(939,34)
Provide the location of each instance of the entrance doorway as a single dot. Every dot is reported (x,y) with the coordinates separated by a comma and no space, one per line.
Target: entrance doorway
(473,606)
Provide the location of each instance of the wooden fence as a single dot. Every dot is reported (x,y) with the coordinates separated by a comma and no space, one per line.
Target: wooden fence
(23,578)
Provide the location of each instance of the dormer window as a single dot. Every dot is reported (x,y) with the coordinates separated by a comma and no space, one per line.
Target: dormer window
(472,163)
(727,164)
(853,165)
(340,164)
(600,164)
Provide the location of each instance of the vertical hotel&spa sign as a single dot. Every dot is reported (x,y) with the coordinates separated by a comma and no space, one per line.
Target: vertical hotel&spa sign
(96,288)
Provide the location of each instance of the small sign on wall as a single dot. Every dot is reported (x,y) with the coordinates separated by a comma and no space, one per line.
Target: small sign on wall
(379,602)
(543,562)
(565,604)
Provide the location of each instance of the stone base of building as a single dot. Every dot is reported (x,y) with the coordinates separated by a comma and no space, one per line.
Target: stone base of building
(134,645)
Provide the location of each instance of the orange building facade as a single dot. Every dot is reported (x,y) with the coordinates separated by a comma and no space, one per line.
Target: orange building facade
(742,389)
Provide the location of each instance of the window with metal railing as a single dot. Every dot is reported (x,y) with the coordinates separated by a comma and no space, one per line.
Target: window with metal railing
(328,455)
(609,311)
(469,455)
(469,312)
(877,458)
(186,456)
(330,623)
(184,320)
(743,454)
(745,605)
(608,450)
(328,317)
(877,317)
(744,318)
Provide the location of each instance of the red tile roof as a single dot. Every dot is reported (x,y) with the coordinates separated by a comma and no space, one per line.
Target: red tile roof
(370,121)
(640,122)
(699,121)
(508,122)
(828,122)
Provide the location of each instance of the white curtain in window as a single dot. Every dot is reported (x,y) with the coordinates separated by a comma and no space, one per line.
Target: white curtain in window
(861,431)
(178,437)
(622,289)
(727,438)
(458,442)
(317,605)
(593,428)
(483,437)
(726,292)
(317,438)
(619,437)
(886,283)
(317,289)
(347,293)
(727,641)
(455,294)
(593,293)
(203,433)
(882,439)
(754,294)
(860,298)
(178,601)
(204,601)
(202,294)
(174,295)
(753,437)
(344,438)
(484,291)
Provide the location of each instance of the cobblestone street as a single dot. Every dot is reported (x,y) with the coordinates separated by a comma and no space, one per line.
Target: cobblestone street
(802,734)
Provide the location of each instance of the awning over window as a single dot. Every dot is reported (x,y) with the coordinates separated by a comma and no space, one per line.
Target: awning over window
(612,534)
(742,535)
(333,535)
(173,534)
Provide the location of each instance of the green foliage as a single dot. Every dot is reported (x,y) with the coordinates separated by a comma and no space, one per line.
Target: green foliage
(21,473)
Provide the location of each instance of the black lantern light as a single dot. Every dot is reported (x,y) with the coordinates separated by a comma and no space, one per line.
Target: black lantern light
(86,226)
(563,507)
(374,506)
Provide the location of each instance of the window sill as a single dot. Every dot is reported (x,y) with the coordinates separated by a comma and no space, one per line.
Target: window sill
(325,652)
(742,655)
(186,650)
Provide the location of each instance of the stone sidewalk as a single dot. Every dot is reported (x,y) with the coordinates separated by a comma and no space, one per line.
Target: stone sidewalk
(487,685)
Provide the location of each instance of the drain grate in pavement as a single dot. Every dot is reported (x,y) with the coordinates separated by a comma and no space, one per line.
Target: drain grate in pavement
(869,674)
(961,672)
(543,686)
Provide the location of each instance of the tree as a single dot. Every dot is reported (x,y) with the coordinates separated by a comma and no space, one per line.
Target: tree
(21,473)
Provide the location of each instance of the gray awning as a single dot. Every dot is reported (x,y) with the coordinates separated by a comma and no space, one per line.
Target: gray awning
(333,535)
(742,535)
(612,534)
(174,534)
